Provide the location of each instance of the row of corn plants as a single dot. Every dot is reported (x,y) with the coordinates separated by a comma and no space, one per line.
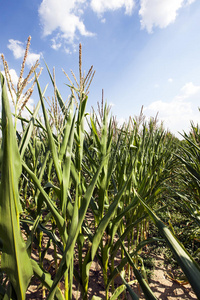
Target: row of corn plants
(88,195)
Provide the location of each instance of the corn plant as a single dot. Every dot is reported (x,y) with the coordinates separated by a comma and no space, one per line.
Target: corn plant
(54,174)
(14,259)
(189,158)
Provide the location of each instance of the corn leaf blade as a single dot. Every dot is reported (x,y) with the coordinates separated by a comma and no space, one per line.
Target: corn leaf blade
(185,260)
(15,261)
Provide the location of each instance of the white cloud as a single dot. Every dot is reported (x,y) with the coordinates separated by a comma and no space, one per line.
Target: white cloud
(32,58)
(177,113)
(67,51)
(56,44)
(190,2)
(160,13)
(14,76)
(63,16)
(189,89)
(18,50)
(170,80)
(64,19)
(121,121)
(101,6)
(111,104)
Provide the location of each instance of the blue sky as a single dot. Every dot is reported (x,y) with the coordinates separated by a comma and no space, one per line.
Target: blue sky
(145,52)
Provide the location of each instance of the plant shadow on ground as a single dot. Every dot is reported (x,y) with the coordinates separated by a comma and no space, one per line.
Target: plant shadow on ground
(163,287)
(161,275)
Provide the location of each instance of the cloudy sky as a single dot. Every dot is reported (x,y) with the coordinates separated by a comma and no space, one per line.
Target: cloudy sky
(145,52)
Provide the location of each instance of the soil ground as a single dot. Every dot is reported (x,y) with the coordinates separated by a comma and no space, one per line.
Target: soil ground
(161,284)
(164,287)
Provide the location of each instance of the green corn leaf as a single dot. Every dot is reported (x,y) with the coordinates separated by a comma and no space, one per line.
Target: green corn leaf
(41,171)
(118,292)
(191,170)
(131,292)
(66,169)
(128,229)
(106,219)
(144,285)
(185,260)
(45,278)
(94,129)
(80,133)
(9,294)
(59,219)
(30,237)
(66,131)
(190,142)
(124,261)
(100,231)
(60,100)
(51,140)
(113,159)
(14,261)
(27,133)
(78,218)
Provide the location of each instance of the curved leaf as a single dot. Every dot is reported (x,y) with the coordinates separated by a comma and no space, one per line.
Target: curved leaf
(14,261)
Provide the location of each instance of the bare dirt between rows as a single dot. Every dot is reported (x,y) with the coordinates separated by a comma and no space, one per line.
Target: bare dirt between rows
(166,289)
(163,287)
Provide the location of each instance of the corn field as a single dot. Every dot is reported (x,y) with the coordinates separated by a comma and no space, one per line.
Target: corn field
(89,195)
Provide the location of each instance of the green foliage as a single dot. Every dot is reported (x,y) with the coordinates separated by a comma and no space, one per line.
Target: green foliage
(14,260)
(90,196)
